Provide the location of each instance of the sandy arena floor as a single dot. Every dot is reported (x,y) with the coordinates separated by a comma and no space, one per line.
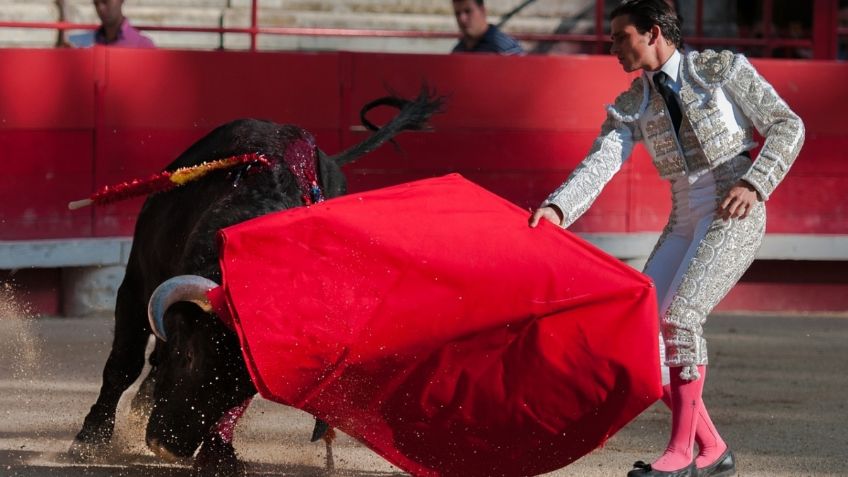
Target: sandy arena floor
(777,391)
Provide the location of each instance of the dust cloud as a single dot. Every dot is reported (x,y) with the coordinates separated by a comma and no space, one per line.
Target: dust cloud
(21,348)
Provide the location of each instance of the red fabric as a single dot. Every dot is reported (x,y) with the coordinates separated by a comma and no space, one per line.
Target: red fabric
(428,321)
(220,306)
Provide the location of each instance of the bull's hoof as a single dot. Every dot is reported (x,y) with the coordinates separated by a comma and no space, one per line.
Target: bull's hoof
(85,451)
(217,458)
(91,442)
(98,426)
(319,430)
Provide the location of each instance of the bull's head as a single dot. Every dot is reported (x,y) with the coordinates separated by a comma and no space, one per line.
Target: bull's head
(201,373)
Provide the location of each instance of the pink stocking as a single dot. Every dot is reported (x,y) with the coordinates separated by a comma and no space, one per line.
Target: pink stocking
(685,402)
(710,443)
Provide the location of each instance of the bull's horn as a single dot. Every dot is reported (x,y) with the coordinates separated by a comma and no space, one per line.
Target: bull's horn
(190,288)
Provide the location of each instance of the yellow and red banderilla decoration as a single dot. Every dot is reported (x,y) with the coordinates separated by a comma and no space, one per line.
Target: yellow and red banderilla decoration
(165,180)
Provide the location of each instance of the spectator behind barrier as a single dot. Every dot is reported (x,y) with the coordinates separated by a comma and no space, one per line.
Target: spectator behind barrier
(479,36)
(115,29)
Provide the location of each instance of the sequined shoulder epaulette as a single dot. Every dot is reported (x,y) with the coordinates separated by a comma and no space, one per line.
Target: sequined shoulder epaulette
(630,104)
(712,69)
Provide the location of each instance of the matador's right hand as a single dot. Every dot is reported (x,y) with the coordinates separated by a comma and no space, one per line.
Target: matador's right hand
(552,214)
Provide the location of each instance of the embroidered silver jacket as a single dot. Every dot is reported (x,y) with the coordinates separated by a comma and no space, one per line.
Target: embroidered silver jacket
(722,97)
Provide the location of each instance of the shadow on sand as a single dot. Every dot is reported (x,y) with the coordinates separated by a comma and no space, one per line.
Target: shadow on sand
(38,464)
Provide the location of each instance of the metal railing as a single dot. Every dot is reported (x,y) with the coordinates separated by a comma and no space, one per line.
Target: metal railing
(599,41)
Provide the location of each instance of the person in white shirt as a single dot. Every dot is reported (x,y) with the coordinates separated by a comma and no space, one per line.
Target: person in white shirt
(695,114)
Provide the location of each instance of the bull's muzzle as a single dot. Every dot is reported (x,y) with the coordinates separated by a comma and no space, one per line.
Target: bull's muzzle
(190,288)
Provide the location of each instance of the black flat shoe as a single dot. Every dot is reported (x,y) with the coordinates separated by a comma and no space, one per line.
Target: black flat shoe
(642,469)
(724,466)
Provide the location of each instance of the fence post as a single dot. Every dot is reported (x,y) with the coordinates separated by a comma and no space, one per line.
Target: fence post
(254,14)
(825,13)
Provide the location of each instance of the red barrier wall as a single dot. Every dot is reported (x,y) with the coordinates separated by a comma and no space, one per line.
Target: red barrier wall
(74,120)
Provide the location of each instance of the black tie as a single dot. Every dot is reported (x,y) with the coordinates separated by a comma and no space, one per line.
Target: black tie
(661,81)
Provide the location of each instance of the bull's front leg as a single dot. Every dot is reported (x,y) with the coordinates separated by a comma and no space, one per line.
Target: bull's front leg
(217,457)
(124,365)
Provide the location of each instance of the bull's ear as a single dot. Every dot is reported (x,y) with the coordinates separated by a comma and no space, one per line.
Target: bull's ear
(333,182)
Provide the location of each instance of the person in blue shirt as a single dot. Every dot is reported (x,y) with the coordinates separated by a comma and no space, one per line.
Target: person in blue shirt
(479,36)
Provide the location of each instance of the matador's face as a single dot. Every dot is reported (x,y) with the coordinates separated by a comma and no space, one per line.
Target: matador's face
(634,50)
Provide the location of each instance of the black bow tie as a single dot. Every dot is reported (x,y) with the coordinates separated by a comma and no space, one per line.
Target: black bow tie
(661,81)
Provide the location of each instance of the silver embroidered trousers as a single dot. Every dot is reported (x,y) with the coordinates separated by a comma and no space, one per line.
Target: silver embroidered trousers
(698,259)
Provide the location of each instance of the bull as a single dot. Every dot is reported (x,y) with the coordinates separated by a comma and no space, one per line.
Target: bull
(198,376)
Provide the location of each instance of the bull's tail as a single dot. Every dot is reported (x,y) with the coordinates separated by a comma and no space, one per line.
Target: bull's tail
(413,116)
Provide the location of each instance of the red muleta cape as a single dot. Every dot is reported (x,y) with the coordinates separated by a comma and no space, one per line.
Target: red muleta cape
(428,321)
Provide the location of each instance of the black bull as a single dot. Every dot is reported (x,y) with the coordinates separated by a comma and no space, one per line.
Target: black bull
(199,373)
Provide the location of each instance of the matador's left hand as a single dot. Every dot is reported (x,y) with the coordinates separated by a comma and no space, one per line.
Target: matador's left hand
(738,202)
